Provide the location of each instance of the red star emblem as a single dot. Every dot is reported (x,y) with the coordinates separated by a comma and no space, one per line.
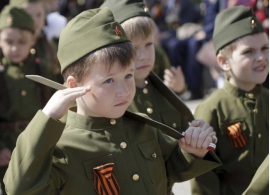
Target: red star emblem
(118,31)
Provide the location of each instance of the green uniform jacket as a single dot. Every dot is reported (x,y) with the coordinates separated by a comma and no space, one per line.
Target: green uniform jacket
(20,97)
(54,158)
(241,121)
(161,104)
(162,61)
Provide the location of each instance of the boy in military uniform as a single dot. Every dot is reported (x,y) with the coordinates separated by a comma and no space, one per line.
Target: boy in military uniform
(44,51)
(102,148)
(239,111)
(152,96)
(20,98)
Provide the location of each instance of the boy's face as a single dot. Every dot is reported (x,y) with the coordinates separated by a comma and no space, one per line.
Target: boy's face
(145,58)
(112,91)
(37,11)
(16,43)
(249,63)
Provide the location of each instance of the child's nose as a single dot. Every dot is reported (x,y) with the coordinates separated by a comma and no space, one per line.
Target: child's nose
(142,54)
(123,90)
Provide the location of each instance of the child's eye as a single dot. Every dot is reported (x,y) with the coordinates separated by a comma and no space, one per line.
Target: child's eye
(247,51)
(128,76)
(265,48)
(109,80)
(149,44)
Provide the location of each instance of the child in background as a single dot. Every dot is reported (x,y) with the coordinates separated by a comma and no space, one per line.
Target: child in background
(239,112)
(56,158)
(44,50)
(20,98)
(152,96)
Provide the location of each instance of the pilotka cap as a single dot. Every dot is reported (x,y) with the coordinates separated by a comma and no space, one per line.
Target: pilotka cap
(15,17)
(233,23)
(126,9)
(87,32)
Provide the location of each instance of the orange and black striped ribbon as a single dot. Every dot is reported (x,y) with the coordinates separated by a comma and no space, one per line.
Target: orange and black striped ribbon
(237,136)
(104,180)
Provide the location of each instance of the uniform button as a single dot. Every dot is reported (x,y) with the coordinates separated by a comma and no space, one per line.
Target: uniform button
(154,155)
(146,82)
(135,177)
(255,110)
(250,95)
(259,136)
(113,121)
(123,145)
(149,110)
(145,91)
(32,51)
(23,93)
(21,75)
(174,125)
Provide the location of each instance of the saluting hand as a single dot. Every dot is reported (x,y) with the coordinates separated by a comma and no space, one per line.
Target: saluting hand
(197,138)
(59,103)
(174,79)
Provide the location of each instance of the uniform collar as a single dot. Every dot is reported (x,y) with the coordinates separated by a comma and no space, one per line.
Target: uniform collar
(93,123)
(252,94)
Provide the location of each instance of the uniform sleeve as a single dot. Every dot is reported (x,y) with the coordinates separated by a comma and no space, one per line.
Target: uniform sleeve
(182,166)
(207,183)
(31,170)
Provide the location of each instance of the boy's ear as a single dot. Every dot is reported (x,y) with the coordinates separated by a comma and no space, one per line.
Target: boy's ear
(71,82)
(223,62)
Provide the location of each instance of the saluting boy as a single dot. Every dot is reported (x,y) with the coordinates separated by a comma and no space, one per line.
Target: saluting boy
(239,112)
(102,149)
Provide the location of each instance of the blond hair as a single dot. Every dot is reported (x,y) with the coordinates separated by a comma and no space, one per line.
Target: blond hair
(140,27)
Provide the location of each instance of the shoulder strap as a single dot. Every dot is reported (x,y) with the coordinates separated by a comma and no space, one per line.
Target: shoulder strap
(171,97)
(164,128)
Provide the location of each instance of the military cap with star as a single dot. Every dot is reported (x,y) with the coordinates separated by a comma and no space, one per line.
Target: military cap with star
(126,9)
(233,23)
(15,17)
(20,2)
(87,32)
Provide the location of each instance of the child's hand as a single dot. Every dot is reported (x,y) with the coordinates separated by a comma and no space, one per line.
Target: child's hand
(5,155)
(174,79)
(197,138)
(59,103)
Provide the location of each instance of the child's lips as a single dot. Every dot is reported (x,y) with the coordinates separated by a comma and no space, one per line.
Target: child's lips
(260,68)
(142,67)
(121,103)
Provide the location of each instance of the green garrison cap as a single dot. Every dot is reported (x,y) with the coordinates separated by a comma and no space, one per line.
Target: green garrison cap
(88,31)
(16,17)
(233,23)
(20,2)
(126,9)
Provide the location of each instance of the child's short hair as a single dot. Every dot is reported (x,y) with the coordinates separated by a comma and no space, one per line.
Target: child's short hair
(122,52)
(139,27)
(234,23)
